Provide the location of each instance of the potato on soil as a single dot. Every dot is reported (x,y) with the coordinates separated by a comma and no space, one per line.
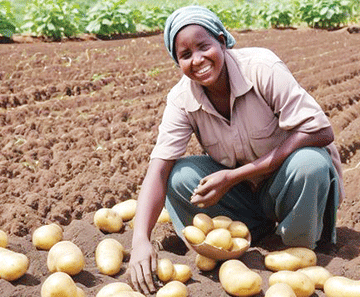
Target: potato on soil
(108,220)
(46,236)
(290,259)
(109,256)
(221,222)
(318,274)
(302,285)
(205,263)
(220,238)
(165,270)
(113,288)
(164,216)
(60,284)
(193,234)
(203,222)
(340,286)
(280,290)
(3,239)
(238,229)
(13,265)
(67,257)
(126,209)
(238,280)
(182,273)
(173,289)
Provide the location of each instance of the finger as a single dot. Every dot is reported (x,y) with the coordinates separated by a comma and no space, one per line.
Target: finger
(198,200)
(148,276)
(134,279)
(142,287)
(154,263)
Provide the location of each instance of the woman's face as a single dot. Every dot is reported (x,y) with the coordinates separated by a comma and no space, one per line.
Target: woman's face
(200,56)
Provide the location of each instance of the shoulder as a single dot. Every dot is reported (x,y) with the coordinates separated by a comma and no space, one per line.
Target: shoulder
(183,95)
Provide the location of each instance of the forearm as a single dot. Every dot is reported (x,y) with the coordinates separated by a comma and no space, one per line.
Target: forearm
(151,198)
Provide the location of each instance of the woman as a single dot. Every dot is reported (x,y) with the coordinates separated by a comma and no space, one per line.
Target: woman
(270,160)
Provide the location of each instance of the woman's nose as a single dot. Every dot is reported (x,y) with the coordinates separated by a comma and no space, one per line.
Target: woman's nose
(198,58)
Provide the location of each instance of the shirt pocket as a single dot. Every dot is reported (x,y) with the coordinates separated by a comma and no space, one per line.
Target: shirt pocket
(265,139)
(214,148)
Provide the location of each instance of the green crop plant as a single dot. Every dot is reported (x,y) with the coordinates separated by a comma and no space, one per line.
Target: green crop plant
(326,14)
(276,14)
(109,17)
(54,19)
(7,20)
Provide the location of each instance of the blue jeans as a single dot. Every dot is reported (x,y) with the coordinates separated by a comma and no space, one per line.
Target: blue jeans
(300,199)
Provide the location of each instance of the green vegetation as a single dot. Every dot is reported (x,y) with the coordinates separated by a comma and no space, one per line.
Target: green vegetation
(56,19)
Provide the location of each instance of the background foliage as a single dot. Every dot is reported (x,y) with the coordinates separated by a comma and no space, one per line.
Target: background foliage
(56,19)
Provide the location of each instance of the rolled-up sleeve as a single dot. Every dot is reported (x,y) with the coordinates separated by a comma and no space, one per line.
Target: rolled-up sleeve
(174,134)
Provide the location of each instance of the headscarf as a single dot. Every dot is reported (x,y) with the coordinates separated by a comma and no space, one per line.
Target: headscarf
(193,15)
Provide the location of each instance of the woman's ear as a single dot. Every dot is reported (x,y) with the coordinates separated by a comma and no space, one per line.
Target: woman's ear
(222,39)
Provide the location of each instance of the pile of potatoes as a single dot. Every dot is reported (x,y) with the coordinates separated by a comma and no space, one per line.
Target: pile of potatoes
(295,270)
(65,259)
(111,220)
(296,274)
(218,238)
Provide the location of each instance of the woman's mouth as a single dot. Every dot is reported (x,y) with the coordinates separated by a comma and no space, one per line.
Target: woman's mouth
(203,70)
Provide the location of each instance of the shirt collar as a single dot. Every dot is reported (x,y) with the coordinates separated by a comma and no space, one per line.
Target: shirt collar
(239,84)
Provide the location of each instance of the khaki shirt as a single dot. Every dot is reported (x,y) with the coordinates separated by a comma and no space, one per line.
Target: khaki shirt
(267,105)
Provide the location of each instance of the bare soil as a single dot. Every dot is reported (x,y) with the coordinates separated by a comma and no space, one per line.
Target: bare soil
(78,121)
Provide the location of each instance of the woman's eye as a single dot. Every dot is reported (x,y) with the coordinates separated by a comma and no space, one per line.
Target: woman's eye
(185,55)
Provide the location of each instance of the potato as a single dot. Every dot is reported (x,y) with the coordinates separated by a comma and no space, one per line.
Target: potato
(108,220)
(164,216)
(127,294)
(238,280)
(67,257)
(319,275)
(165,270)
(173,289)
(3,239)
(299,282)
(182,273)
(221,222)
(340,286)
(280,290)
(238,229)
(113,288)
(203,222)
(239,243)
(60,284)
(290,259)
(205,263)
(193,234)
(220,238)
(109,256)
(13,265)
(126,209)
(46,236)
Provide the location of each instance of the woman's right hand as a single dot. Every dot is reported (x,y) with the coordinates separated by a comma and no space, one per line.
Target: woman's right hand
(143,263)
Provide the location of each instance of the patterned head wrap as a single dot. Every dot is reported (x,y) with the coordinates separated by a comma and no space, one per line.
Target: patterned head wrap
(194,15)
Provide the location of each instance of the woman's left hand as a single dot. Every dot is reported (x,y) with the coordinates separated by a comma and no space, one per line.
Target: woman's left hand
(211,189)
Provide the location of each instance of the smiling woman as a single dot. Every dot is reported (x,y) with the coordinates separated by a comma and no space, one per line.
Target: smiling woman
(270,158)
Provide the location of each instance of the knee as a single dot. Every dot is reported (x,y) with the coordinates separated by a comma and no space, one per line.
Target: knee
(314,163)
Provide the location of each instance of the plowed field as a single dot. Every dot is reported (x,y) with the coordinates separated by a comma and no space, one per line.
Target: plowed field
(78,121)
